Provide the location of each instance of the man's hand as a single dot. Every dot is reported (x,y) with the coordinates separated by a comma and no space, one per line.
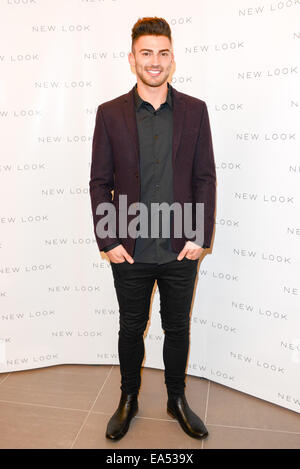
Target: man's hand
(119,254)
(193,250)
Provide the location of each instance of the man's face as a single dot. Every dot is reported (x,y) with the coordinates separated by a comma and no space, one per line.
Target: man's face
(152,59)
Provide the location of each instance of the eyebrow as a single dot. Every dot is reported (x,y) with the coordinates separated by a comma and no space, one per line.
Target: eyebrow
(151,50)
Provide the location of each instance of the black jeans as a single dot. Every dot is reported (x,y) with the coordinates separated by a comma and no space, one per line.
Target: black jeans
(134,285)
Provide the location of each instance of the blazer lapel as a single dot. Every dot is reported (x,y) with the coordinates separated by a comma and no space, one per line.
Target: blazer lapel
(178,120)
(130,119)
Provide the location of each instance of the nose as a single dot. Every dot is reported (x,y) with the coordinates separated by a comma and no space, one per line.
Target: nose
(155,60)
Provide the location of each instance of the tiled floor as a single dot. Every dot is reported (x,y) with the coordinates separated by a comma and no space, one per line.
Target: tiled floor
(68,406)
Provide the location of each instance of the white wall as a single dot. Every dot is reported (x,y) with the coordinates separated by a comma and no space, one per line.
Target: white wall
(59,60)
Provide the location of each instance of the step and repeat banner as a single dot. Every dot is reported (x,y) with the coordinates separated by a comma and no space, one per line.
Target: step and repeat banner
(60,59)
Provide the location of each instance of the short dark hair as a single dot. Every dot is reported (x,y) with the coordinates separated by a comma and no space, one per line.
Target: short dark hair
(152,26)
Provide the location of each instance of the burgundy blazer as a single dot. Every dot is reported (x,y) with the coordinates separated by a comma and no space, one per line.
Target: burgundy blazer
(115,162)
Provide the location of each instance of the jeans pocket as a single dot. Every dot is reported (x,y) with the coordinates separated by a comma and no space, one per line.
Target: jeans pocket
(190,260)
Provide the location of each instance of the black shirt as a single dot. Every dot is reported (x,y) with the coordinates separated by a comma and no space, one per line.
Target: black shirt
(155,133)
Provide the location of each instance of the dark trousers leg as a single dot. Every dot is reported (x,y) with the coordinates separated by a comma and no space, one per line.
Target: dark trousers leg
(134,285)
(176,282)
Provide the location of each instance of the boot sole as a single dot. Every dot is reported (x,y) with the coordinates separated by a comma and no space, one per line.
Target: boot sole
(120,435)
(199,437)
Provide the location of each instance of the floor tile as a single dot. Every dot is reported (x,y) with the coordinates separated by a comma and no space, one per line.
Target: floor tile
(227,406)
(28,426)
(67,386)
(142,433)
(242,438)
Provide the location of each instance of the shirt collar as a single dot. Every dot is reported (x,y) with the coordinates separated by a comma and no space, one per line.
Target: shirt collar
(139,101)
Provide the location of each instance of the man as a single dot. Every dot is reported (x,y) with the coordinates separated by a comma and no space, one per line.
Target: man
(153,145)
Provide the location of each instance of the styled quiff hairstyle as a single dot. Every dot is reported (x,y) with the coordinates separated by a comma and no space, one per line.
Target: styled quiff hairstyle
(150,26)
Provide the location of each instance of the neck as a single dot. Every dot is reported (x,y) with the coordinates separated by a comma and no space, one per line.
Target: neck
(155,95)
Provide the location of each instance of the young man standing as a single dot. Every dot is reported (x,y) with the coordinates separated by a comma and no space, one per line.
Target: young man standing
(153,144)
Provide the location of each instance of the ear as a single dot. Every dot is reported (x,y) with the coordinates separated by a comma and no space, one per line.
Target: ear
(131,59)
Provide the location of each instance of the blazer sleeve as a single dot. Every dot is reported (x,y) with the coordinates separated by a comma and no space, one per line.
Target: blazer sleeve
(102,176)
(111,246)
(204,176)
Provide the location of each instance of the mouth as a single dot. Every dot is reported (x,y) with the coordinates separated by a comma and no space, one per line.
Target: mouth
(154,73)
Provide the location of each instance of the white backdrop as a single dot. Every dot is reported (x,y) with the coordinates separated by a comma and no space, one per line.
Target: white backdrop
(59,60)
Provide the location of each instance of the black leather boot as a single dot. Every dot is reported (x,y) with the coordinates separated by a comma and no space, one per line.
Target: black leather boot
(119,422)
(179,409)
